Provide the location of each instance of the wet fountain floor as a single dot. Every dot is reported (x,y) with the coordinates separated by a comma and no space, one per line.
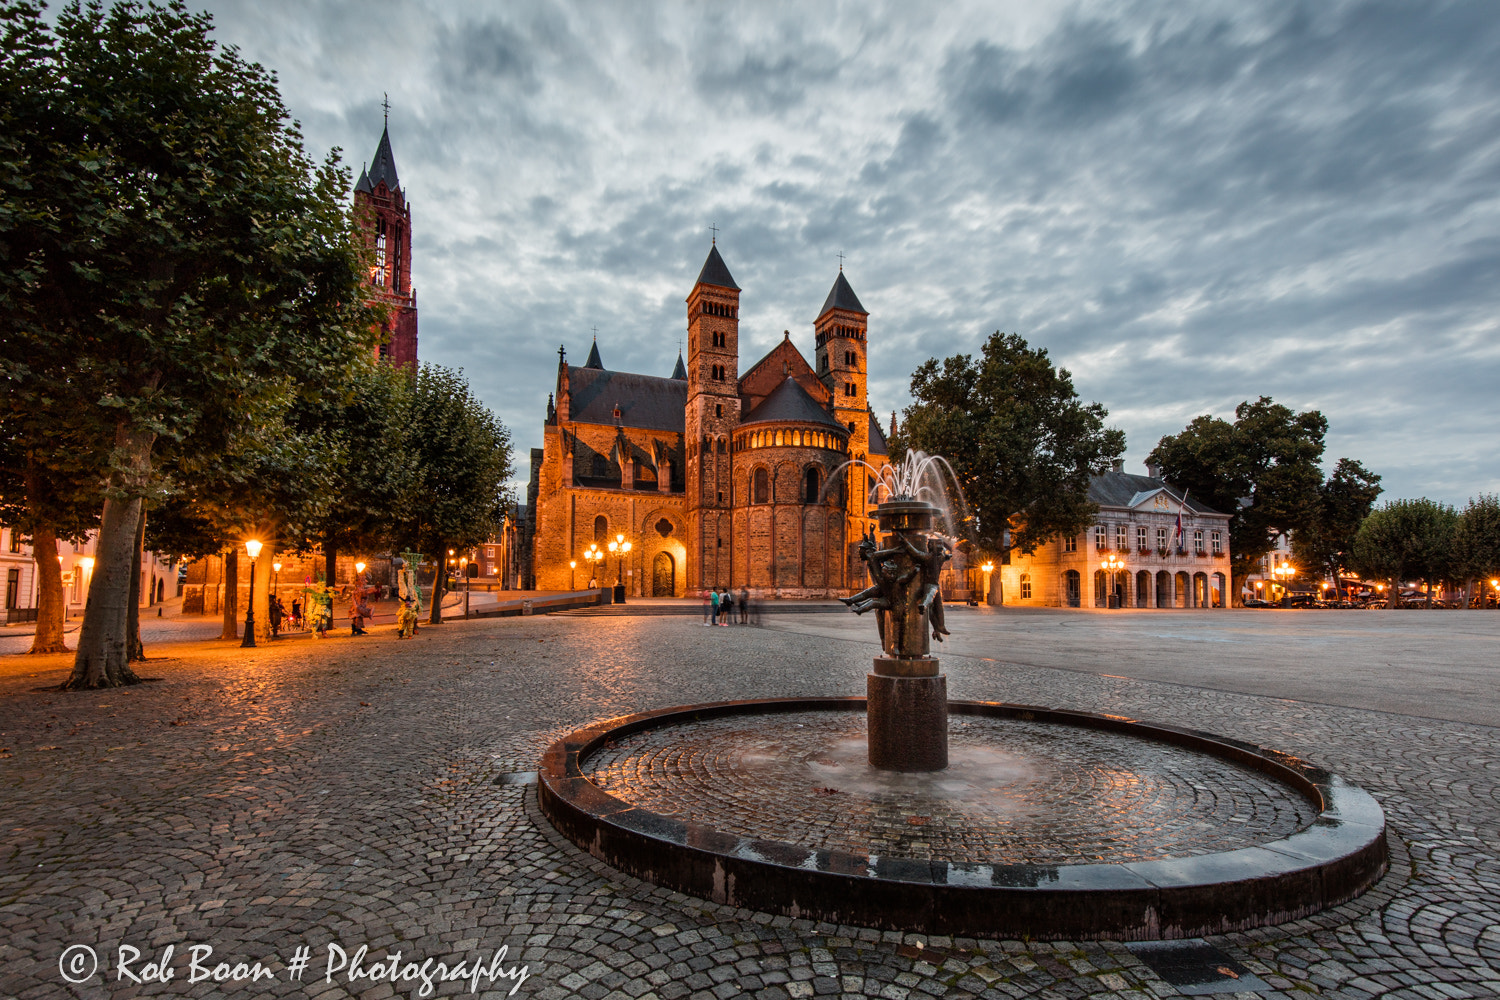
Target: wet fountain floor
(1015,792)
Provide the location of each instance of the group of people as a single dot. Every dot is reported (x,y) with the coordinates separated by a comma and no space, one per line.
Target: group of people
(719,606)
(320,613)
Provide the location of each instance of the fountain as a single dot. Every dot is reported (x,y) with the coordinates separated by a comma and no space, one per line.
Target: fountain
(904,811)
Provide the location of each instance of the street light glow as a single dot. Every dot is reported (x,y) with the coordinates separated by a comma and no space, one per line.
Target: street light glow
(359,567)
(253,547)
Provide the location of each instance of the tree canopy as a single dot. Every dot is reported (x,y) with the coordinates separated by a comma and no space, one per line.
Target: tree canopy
(1406,540)
(169,252)
(1325,544)
(1021,443)
(1268,458)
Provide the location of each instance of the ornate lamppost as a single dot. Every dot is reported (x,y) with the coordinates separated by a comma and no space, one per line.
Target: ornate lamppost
(252,548)
(592,557)
(988,568)
(1113,565)
(572,574)
(619,547)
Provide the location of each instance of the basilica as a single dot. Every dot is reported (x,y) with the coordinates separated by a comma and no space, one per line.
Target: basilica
(716,478)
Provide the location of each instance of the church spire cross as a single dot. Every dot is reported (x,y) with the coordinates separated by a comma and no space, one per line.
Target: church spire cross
(841,260)
(385,102)
(715,232)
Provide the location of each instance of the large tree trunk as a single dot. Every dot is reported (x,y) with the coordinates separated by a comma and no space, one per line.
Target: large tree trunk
(103,653)
(231,593)
(49,600)
(438,579)
(135,647)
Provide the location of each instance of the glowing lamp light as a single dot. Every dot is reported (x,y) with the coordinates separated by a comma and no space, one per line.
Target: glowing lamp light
(88,563)
(276,566)
(253,547)
(572,564)
(359,567)
(988,567)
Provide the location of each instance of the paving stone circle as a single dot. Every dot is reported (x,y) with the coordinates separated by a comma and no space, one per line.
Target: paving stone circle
(1015,792)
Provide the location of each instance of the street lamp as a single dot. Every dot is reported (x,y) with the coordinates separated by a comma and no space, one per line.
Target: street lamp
(592,557)
(572,574)
(252,547)
(463,572)
(619,547)
(988,568)
(1113,564)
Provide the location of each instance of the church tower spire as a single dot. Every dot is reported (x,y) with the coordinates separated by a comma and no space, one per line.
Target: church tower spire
(385,217)
(841,327)
(713,411)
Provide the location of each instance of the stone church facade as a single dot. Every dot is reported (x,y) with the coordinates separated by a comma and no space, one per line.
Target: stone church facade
(716,478)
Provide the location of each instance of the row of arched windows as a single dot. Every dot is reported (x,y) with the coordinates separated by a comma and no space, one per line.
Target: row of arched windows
(849,332)
(793,438)
(719,309)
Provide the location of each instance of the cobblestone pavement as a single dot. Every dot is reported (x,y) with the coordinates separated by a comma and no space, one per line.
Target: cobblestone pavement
(344,792)
(1014,792)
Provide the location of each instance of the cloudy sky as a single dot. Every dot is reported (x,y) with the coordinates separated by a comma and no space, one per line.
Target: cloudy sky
(1187,205)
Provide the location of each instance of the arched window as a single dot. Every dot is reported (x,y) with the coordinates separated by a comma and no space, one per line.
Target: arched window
(601,529)
(762,486)
(812,484)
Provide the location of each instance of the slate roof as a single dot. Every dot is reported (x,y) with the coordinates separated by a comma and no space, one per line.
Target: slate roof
(877,438)
(645,401)
(1121,489)
(841,296)
(679,372)
(593,361)
(715,272)
(789,401)
(383,167)
(364,182)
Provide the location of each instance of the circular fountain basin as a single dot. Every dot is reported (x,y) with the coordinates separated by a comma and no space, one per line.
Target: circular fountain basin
(1046,823)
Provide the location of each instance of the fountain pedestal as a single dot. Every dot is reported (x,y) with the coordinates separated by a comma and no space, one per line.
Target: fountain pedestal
(907,713)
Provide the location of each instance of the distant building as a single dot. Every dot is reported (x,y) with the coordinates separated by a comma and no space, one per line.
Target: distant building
(717,479)
(385,216)
(1137,526)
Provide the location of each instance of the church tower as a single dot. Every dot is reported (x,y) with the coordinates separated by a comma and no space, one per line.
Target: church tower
(385,216)
(841,351)
(713,404)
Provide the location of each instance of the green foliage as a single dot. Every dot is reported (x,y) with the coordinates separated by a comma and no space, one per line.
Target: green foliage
(170,259)
(1269,456)
(1476,539)
(453,493)
(1407,540)
(1020,442)
(1326,543)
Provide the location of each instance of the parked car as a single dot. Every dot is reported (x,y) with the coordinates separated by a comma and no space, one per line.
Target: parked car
(1256,602)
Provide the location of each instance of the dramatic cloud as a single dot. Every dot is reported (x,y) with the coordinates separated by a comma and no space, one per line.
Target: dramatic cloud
(1189,206)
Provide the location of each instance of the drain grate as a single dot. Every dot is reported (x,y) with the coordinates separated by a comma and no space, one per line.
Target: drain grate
(1196,967)
(516,778)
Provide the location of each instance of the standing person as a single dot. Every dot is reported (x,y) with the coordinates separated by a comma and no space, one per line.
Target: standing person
(744,605)
(714,605)
(275,611)
(727,604)
(296,613)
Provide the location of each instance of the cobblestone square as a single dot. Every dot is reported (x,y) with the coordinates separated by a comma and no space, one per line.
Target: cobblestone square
(365,793)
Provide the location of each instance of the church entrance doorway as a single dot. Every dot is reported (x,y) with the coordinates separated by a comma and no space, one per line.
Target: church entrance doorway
(663,575)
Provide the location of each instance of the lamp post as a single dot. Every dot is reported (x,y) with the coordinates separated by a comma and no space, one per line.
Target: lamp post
(271,600)
(252,548)
(463,571)
(1113,565)
(572,574)
(988,568)
(619,547)
(592,557)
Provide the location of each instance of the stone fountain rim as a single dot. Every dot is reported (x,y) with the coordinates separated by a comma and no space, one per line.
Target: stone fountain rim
(1334,859)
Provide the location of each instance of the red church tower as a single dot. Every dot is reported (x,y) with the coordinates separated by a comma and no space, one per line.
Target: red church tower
(386,218)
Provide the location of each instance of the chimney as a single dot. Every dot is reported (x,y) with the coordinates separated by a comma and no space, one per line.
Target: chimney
(1119,464)
(1153,470)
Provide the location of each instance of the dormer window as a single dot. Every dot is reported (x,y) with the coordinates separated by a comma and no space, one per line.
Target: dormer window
(618,414)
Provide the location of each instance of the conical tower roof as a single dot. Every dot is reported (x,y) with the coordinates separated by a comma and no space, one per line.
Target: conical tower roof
(593,361)
(364,182)
(680,372)
(841,296)
(715,272)
(383,166)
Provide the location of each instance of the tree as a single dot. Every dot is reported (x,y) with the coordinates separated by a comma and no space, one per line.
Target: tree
(1262,470)
(1326,543)
(169,247)
(1022,445)
(461,454)
(1407,540)
(1476,543)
